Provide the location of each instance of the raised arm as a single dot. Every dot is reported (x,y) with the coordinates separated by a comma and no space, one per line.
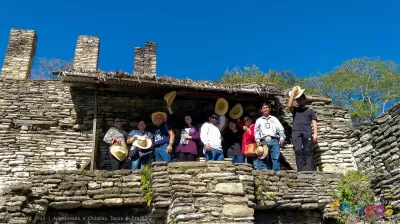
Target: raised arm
(240,123)
(290,102)
(222,121)
(171,136)
(252,134)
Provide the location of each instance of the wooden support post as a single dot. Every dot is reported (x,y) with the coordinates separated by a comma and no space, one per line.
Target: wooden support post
(94,140)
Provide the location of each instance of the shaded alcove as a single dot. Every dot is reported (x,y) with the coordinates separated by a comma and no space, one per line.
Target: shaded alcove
(290,216)
(134,104)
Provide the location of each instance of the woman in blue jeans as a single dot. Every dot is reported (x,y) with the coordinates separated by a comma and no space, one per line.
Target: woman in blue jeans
(233,143)
(139,157)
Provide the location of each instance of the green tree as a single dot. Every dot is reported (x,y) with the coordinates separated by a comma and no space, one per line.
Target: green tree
(253,74)
(365,86)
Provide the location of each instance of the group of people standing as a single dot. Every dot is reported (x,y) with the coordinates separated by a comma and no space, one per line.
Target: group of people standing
(256,143)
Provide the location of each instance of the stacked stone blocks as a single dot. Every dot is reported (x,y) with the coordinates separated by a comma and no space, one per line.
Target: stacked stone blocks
(19,55)
(376,148)
(66,190)
(145,61)
(87,53)
(213,191)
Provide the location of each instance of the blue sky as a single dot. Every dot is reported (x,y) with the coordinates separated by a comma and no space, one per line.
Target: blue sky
(200,39)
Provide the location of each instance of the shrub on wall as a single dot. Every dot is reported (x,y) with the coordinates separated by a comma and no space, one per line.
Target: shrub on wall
(354,189)
(145,185)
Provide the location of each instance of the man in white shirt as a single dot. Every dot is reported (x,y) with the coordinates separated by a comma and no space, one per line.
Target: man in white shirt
(269,131)
(210,135)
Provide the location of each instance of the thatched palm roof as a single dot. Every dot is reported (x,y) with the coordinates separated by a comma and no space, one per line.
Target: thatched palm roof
(126,79)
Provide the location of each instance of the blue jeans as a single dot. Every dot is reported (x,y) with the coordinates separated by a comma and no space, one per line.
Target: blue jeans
(237,159)
(161,155)
(272,157)
(214,154)
(140,162)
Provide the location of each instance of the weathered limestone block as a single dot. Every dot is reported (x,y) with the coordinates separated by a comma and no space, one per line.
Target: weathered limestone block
(92,203)
(65,205)
(230,188)
(237,211)
(113,201)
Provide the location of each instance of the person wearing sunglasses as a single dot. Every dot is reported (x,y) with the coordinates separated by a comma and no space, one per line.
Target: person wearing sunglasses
(115,135)
(210,135)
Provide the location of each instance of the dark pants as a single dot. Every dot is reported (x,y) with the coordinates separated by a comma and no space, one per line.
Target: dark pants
(115,163)
(187,156)
(302,143)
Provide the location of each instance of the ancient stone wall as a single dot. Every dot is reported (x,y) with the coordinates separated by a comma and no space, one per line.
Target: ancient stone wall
(376,149)
(211,192)
(38,129)
(67,190)
(19,55)
(295,191)
(182,192)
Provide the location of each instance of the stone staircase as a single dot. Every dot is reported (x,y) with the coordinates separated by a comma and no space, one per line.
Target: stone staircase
(288,158)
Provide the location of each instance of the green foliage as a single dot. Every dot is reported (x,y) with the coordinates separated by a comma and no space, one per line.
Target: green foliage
(354,189)
(145,185)
(365,86)
(261,188)
(283,79)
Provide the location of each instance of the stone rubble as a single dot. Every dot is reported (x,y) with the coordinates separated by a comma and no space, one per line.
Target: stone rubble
(376,148)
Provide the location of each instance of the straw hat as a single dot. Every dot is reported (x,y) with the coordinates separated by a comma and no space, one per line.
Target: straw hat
(221,106)
(169,98)
(297,93)
(142,142)
(119,151)
(236,112)
(153,116)
(262,151)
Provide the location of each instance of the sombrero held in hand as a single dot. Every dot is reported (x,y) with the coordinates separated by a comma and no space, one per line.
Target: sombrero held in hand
(262,151)
(297,93)
(119,151)
(236,112)
(169,98)
(221,106)
(142,142)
